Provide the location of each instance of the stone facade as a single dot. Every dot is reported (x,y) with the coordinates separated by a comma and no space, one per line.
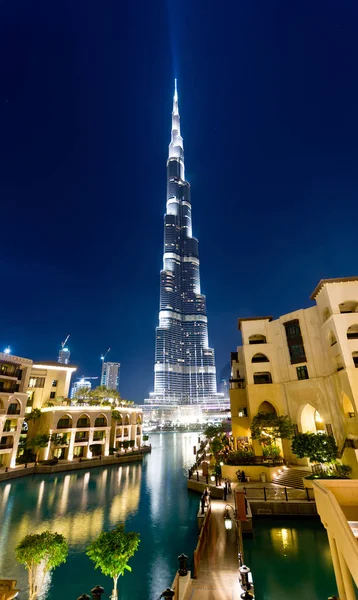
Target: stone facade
(14,377)
(305,365)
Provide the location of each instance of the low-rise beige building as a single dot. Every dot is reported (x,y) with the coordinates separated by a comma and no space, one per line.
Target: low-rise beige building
(305,365)
(14,377)
(49,383)
(76,430)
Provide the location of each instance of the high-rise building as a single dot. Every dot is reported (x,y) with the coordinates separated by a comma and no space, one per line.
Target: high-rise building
(184,371)
(110,375)
(64,356)
(81,384)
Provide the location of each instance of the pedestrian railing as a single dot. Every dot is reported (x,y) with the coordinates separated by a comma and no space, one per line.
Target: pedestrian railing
(201,542)
(284,494)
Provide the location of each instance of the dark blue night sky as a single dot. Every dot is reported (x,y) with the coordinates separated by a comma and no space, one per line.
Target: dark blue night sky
(268,100)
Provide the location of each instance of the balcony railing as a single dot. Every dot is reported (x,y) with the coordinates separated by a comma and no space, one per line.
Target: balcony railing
(64,426)
(13,412)
(237,383)
(5,446)
(81,439)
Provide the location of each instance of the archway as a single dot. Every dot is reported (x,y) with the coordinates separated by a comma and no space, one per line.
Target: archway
(101,421)
(311,420)
(65,422)
(267,407)
(83,421)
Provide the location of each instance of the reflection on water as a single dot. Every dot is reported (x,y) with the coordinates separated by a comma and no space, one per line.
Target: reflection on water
(290,558)
(150,496)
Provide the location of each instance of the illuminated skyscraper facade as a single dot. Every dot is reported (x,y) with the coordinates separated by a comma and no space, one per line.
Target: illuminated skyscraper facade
(184,371)
(110,375)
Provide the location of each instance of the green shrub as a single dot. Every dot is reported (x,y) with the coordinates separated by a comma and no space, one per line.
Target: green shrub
(271,451)
(240,457)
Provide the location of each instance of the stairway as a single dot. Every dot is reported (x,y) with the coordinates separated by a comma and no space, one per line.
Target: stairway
(291,477)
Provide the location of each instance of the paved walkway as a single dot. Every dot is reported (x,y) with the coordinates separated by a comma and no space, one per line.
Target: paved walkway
(219,570)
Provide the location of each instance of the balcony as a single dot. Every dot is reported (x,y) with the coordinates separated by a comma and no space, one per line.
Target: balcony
(12,411)
(237,383)
(8,389)
(6,446)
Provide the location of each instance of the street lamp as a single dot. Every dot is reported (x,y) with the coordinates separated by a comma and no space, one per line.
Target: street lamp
(97,592)
(227,518)
(168,594)
(183,564)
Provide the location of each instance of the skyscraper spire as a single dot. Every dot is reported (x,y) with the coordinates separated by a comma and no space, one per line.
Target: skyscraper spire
(184,371)
(176,148)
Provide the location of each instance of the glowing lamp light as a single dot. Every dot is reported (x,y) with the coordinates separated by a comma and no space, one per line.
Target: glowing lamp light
(212,478)
(221,464)
(227,520)
(7,350)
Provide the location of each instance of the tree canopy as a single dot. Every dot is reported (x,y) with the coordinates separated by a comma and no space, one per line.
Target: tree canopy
(38,441)
(267,427)
(318,447)
(44,551)
(111,550)
(33,415)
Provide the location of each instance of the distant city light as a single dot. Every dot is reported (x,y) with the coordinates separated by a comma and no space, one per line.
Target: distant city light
(7,350)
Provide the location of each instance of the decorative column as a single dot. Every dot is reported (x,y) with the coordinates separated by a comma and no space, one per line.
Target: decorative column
(71,444)
(107,439)
(90,442)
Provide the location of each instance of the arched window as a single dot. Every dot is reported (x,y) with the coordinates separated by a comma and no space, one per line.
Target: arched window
(355,359)
(257,338)
(349,306)
(352,332)
(267,407)
(64,422)
(331,338)
(83,421)
(101,421)
(264,377)
(139,419)
(259,358)
(14,407)
(127,420)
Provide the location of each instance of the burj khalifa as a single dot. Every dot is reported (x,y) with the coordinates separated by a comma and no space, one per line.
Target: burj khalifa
(184,370)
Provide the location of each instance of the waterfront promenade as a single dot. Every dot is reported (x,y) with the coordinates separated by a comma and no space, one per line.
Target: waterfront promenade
(218,577)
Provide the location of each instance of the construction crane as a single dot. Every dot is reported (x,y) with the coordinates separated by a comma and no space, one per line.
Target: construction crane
(65,342)
(103,356)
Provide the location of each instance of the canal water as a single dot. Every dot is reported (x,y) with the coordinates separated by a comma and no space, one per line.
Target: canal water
(289,559)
